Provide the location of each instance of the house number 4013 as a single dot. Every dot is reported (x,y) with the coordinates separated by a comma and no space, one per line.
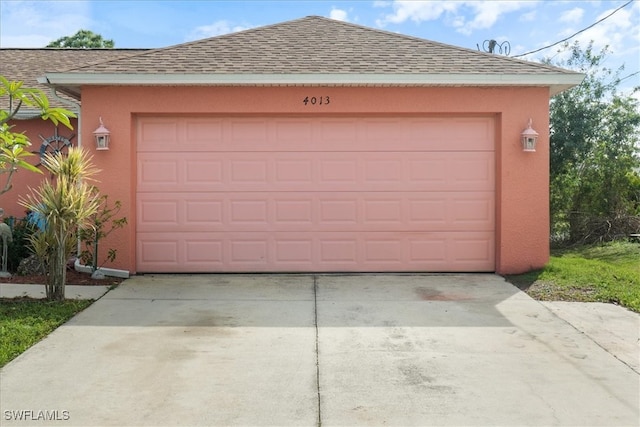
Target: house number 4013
(316,100)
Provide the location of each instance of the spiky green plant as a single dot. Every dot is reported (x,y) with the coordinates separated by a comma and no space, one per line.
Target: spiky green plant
(65,202)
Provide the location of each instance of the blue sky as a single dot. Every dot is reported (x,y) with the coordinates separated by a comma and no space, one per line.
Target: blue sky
(527,25)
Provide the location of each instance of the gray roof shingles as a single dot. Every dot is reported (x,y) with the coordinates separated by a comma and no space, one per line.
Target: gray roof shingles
(314,45)
(27,65)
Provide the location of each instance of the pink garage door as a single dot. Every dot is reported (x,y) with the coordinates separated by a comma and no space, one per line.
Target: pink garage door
(255,194)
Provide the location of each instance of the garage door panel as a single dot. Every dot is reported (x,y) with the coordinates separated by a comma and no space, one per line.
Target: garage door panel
(249,211)
(294,171)
(385,211)
(241,134)
(337,250)
(204,252)
(341,171)
(315,194)
(200,133)
(293,250)
(465,251)
(471,250)
(324,251)
(305,211)
(153,174)
(347,171)
(470,210)
(203,212)
(466,134)
(248,171)
(201,172)
(341,132)
(335,210)
(248,251)
(296,132)
(247,133)
(159,172)
(158,134)
(384,251)
(159,213)
(158,251)
(452,171)
(387,170)
(289,211)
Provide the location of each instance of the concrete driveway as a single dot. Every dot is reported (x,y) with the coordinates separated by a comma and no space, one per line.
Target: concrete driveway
(318,350)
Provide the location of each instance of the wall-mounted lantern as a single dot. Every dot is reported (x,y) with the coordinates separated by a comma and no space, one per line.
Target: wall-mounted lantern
(529,138)
(103,136)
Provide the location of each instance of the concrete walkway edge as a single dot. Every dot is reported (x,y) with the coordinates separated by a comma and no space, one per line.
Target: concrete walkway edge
(14,290)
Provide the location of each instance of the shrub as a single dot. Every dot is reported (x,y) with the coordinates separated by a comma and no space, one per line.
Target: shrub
(22,230)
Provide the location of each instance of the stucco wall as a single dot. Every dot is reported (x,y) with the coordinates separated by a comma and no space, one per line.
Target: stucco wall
(522,179)
(23,180)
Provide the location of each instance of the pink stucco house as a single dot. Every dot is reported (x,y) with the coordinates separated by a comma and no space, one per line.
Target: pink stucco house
(317,145)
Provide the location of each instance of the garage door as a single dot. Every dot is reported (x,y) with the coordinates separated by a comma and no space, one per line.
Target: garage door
(264,194)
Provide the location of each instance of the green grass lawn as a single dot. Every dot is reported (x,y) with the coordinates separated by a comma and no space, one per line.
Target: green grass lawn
(603,273)
(24,322)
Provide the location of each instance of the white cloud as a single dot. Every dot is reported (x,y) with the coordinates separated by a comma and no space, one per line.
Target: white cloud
(619,32)
(418,11)
(37,23)
(338,14)
(572,16)
(616,31)
(486,13)
(528,17)
(465,16)
(218,28)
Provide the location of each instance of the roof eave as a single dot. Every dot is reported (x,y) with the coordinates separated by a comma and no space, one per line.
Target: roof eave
(72,90)
(27,114)
(71,83)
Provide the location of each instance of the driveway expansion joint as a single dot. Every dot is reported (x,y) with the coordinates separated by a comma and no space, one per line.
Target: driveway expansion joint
(315,314)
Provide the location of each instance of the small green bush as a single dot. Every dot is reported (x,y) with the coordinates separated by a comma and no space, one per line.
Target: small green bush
(21,230)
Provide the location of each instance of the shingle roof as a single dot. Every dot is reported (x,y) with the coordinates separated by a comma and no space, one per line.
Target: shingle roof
(315,50)
(316,45)
(27,65)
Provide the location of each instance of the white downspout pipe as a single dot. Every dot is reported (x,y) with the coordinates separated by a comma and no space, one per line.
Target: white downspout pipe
(100,272)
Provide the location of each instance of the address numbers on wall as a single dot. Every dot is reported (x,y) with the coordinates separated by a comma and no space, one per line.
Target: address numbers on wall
(316,100)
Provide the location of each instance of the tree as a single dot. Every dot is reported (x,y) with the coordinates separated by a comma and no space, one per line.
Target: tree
(14,145)
(66,203)
(102,224)
(594,137)
(83,39)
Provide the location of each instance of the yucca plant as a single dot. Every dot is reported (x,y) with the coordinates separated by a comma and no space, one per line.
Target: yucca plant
(65,203)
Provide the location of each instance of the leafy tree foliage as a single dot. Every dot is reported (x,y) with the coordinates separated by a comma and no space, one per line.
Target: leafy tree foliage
(594,137)
(83,39)
(14,145)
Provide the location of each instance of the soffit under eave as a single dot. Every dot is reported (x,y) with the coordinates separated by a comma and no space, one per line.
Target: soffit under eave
(76,91)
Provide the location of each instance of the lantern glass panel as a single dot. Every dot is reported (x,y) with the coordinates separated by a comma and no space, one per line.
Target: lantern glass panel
(102,142)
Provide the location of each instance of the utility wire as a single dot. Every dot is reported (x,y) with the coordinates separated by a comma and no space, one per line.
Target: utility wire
(630,75)
(581,31)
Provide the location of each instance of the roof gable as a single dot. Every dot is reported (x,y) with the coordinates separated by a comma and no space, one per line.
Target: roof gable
(315,50)
(315,45)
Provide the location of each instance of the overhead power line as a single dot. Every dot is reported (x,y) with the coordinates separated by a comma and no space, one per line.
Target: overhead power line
(630,75)
(581,31)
